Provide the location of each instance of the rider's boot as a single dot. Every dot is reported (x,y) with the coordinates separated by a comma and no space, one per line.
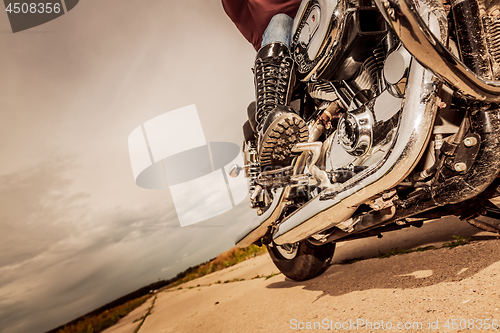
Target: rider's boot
(279,128)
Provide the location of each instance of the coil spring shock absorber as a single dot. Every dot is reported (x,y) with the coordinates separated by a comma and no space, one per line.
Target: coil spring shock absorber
(471,37)
(492,30)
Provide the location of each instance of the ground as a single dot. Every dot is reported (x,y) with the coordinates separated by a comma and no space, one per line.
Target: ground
(436,290)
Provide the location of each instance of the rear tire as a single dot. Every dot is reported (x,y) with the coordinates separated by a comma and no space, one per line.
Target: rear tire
(301,261)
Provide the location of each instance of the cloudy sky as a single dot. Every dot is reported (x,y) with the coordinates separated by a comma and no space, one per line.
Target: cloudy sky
(76,232)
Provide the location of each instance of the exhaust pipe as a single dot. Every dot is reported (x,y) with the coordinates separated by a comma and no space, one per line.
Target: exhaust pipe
(430,52)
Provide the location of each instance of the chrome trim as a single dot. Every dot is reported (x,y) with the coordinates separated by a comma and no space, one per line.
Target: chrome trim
(288,251)
(415,127)
(235,171)
(430,52)
(316,49)
(359,138)
(314,148)
(258,227)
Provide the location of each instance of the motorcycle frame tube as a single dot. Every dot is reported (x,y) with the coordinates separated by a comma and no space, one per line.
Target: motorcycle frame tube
(415,128)
(417,38)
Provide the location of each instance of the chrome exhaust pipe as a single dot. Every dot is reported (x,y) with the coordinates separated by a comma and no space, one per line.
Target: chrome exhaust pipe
(430,52)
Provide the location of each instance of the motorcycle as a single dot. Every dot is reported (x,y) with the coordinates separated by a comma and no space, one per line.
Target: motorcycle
(401,102)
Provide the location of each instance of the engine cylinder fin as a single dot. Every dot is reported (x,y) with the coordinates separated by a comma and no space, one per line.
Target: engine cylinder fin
(323,91)
(371,71)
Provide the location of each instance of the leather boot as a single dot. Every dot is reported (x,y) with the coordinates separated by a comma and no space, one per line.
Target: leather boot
(279,128)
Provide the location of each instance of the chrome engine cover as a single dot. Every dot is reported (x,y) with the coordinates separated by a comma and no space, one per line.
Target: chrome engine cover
(315,27)
(332,38)
(355,131)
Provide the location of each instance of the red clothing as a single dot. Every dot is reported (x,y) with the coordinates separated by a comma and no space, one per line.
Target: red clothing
(251,17)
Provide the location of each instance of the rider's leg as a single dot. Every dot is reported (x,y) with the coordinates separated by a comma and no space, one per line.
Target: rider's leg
(279,29)
(279,128)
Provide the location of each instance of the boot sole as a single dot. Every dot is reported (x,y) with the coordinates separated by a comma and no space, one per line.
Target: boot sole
(279,139)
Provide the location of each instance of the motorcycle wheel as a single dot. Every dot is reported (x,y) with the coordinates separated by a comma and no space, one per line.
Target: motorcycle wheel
(302,260)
